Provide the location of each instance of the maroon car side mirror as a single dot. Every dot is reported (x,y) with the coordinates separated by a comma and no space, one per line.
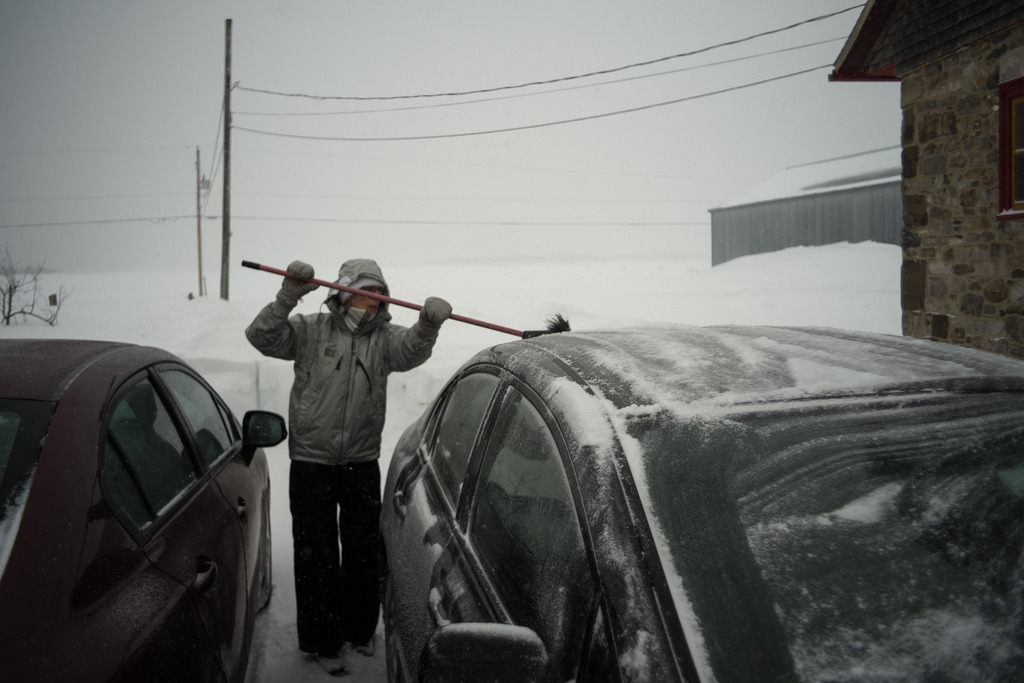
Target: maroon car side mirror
(261,429)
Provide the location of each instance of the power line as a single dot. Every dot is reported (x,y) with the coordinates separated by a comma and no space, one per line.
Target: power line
(94,197)
(93,151)
(101,221)
(601,72)
(847,156)
(388,221)
(518,200)
(548,124)
(506,167)
(372,221)
(546,92)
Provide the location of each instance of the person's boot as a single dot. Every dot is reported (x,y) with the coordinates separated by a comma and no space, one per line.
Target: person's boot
(334,664)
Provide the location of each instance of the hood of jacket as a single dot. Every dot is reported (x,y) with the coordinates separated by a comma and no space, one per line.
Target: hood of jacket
(351,271)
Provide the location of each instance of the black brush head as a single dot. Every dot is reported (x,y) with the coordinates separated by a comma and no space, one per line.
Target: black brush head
(556,324)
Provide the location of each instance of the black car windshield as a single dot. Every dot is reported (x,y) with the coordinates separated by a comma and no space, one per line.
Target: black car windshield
(23,426)
(854,539)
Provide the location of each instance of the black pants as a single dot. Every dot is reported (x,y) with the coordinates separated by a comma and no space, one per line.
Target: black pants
(336,593)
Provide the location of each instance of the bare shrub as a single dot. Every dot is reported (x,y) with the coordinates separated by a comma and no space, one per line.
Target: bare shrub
(20,294)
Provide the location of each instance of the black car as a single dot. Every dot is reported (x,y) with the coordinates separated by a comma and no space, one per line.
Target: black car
(134,517)
(728,503)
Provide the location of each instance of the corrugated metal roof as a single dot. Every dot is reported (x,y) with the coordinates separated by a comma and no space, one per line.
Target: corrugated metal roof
(831,175)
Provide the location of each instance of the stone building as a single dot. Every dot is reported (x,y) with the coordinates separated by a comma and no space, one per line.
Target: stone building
(961,68)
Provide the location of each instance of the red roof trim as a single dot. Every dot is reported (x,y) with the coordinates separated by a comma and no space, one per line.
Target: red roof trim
(851,64)
(885,73)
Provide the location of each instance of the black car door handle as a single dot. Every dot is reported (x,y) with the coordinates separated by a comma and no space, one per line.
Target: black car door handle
(206,574)
(437,609)
(398,501)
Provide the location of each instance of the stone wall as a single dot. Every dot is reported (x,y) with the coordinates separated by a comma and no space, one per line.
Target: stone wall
(963,270)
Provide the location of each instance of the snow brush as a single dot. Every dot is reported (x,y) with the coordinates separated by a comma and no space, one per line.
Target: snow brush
(554,324)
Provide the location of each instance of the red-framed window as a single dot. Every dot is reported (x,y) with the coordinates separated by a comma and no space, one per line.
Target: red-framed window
(1011,148)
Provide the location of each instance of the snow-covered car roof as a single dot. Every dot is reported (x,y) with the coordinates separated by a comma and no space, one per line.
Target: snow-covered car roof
(727,365)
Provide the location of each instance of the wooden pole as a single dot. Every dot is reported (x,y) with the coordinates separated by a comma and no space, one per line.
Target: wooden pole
(199,224)
(226,214)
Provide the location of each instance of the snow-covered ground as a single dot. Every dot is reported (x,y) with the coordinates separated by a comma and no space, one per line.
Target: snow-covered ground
(850,286)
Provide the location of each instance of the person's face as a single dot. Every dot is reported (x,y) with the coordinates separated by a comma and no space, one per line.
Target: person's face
(365,303)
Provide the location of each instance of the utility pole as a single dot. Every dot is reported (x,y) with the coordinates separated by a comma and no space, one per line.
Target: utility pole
(199,225)
(226,214)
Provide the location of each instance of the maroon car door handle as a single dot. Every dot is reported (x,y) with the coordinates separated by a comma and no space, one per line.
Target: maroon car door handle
(206,574)
(403,484)
(243,508)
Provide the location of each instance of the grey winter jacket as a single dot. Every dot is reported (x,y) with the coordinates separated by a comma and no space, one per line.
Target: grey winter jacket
(338,398)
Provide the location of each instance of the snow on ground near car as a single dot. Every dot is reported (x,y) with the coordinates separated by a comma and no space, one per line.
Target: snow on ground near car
(849,286)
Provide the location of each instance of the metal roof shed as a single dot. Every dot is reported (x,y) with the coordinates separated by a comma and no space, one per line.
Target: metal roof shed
(855,198)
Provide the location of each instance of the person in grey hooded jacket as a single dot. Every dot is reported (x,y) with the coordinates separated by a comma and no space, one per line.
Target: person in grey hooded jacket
(342,359)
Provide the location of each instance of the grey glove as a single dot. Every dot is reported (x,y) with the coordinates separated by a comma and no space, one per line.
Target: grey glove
(434,312)
(293,289)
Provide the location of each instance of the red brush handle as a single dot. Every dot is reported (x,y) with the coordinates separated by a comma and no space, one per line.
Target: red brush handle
(381,297)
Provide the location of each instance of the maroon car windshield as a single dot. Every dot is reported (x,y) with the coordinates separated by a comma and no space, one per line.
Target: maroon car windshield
(23,427)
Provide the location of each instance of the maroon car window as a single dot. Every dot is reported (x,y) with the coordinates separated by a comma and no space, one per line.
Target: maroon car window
(23,426)
(524,527)
(9,422)
(202,412)
(145,458)
(123,489)
(463,414)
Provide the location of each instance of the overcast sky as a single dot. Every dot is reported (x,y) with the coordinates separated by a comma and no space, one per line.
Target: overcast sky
(103,104)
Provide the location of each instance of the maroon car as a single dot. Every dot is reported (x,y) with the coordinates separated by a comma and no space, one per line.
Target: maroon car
(134,517)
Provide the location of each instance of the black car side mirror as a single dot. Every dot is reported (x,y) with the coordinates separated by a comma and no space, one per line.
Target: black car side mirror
(261,429)
(478,652)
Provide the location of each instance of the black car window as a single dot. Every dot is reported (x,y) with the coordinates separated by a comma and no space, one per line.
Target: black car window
(598,663)
(524,528)
(463,413)
(202,412)
(145,463)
